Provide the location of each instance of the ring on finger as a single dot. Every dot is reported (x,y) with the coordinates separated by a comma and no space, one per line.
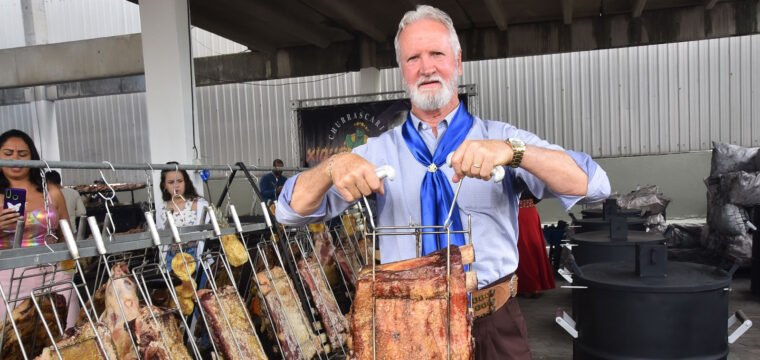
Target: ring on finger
(476,166)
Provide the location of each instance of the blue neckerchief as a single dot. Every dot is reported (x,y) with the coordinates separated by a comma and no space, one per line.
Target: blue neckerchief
(436,193)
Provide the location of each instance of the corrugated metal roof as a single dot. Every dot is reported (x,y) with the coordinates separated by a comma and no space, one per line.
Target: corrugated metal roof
(254,123)
(629,101)
(16,117)
(11,25)
(106,128)
(620,102)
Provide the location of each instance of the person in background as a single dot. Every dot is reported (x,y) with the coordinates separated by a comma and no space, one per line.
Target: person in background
(271,184)
(181,200)
(430,59)
(534,270)
(40,222)
(74,203)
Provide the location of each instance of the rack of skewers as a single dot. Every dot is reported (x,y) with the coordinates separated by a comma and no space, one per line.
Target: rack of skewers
(257,291)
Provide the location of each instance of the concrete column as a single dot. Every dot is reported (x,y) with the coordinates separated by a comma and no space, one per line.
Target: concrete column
(45,125)
(35,24)
(168,85)
(369,80)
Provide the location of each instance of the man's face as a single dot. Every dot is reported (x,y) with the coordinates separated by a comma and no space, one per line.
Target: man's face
(278,165)
(429,65)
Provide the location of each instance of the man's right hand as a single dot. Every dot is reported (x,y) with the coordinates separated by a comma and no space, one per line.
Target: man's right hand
(353,176)
(8,219)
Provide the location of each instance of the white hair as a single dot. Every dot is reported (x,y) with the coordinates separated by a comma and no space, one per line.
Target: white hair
(427,12)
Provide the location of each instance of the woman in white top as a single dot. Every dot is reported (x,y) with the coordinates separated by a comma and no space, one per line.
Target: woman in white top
(181,200)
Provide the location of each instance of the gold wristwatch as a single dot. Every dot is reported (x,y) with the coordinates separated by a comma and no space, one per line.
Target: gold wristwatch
(518,150)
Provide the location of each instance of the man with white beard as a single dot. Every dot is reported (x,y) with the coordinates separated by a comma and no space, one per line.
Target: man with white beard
(430,59)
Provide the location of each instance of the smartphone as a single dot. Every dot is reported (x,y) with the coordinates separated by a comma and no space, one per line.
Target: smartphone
(15,199)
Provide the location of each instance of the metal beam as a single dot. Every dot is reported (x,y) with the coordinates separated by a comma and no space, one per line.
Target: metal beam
(567,12)
(282,22)
(242,35)
(352,13)
(709,4)
(86,59)
(638,8)
(498,12)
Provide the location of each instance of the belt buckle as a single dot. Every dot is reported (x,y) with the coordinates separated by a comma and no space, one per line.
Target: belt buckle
(513,286)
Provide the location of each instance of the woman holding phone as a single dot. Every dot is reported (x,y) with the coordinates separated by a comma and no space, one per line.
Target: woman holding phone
(28,203)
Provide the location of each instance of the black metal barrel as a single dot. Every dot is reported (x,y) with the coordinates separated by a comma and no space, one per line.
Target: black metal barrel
(630,313)
(599,213)
(599,246)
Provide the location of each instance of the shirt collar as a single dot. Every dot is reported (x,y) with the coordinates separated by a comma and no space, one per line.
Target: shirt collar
(446,120)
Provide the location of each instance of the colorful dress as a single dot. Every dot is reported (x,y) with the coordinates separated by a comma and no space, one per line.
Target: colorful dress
(18,283)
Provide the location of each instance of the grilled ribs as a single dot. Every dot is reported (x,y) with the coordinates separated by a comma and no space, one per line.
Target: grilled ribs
(154,340)
(223,336)
(294,333)
(80,343)
(30,327)
(411,310)
(333,321)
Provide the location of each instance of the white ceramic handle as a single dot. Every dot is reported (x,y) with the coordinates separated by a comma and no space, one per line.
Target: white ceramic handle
(385,172)
(266,214)
(68,236)
(236,219)
(152,228)
(173,227)
(497,174)
(214,221)
(96,235)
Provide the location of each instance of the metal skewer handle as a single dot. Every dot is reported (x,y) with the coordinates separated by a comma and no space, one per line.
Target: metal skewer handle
(497,174)
(152,228)
(236,219)
(214,221)
(96,235)
(68,236)
(173,227)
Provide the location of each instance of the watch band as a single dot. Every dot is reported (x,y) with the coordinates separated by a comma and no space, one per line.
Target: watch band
(518,150)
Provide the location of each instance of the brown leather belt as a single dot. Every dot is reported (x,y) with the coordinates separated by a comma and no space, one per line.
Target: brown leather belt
(488,300)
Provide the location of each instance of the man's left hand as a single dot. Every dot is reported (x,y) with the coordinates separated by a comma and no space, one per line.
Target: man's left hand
(477,158)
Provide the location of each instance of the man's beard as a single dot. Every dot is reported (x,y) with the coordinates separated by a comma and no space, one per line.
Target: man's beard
(432,100)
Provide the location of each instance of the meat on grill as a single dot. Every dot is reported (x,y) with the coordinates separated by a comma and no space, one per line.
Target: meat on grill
(325,251)
(224,337)
(333,321)
(293,331)
(30,327)
(99,300)
(122,288)
(348,263)
(155,338)
(411,310)
(80,343)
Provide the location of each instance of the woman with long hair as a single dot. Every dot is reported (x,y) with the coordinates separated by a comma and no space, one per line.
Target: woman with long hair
(40,217)
(183,202)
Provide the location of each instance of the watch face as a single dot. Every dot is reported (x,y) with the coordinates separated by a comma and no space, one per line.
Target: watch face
(517,142)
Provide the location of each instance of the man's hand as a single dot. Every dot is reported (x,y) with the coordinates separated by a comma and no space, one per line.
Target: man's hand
(477,158)
(353,176)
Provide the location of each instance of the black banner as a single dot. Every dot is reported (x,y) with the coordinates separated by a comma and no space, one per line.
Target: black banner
(332,129)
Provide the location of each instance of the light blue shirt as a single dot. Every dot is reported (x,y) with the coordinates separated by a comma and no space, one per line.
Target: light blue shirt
(492,207)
